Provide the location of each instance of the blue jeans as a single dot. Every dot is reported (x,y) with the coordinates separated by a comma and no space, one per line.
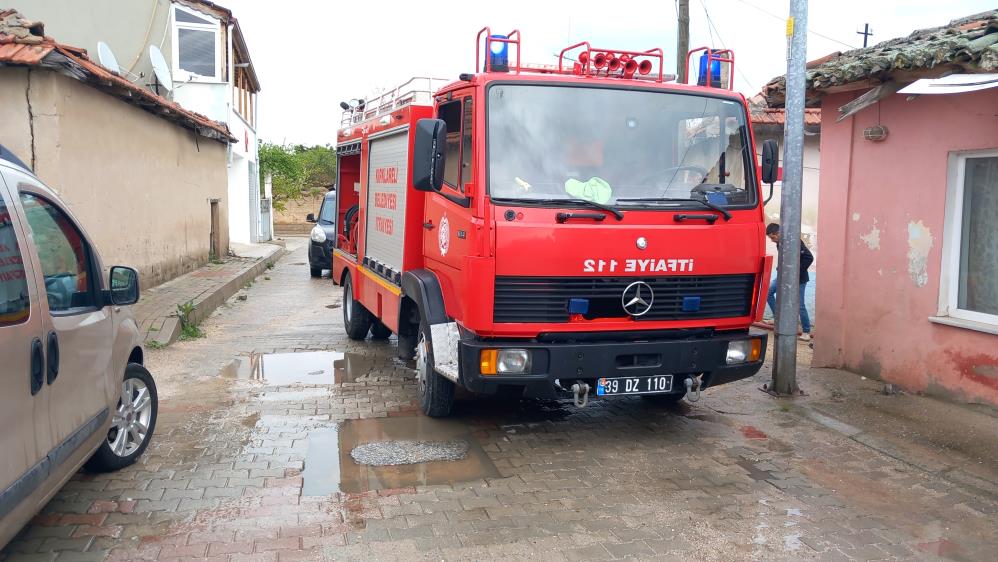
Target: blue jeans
(805,320)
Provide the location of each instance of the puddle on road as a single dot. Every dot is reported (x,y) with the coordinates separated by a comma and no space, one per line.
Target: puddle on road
(309,367)
(330,467)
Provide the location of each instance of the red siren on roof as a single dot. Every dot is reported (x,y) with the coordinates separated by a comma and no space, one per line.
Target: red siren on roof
(580,59)
(616,63)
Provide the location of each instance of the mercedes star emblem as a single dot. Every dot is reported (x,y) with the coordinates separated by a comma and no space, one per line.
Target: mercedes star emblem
(637,298)
(642,243)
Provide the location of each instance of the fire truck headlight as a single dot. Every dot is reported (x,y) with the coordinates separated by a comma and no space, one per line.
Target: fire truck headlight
(318,235)
(744,351)
(513,361)
(505,361)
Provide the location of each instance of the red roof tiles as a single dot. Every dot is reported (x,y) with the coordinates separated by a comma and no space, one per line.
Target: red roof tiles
(22,43)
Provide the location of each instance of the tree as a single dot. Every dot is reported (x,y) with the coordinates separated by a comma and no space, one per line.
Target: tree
(297,171)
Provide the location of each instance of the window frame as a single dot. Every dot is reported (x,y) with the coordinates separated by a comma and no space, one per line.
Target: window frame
(460,116)
(949,273)
(214,28)
(94,285)
(20,245)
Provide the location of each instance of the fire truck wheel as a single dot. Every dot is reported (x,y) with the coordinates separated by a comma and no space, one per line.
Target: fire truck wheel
(356,318)
(379,331)
(436,394)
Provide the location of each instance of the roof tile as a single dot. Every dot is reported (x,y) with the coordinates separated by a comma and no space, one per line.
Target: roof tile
(968,44)
(22,44)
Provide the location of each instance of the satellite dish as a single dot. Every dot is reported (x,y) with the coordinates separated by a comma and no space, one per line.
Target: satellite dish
(160,68)
(106,58)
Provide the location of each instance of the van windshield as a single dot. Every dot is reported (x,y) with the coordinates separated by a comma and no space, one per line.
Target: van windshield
(327,213)
(615,146)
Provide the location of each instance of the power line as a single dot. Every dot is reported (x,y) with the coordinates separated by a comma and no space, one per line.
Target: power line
(710,24)
(783,19)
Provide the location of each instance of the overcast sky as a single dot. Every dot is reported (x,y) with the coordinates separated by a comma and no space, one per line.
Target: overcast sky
(311,55)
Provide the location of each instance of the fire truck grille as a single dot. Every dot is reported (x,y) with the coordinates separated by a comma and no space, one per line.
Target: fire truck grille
(546,299)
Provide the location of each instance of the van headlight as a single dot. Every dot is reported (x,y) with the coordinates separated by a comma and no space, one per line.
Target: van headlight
(318,235)
(744,351)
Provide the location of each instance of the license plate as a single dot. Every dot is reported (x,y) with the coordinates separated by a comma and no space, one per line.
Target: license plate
(634,385)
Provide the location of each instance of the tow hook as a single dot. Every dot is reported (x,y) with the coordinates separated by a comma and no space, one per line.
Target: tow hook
(580,391)
(693,384)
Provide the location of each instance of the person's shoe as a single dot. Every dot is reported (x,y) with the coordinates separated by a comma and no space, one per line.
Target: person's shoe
(804,337)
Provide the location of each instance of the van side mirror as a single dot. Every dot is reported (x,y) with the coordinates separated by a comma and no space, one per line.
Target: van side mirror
(124,286)
(428,154)
(309,217)
(770,161)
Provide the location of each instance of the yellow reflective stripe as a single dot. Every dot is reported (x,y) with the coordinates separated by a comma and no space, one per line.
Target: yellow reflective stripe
(388,286)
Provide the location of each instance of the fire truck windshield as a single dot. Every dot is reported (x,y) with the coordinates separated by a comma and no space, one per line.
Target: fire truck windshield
(616,146)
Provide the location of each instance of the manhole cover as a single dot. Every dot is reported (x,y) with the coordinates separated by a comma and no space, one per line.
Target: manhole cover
(394,453)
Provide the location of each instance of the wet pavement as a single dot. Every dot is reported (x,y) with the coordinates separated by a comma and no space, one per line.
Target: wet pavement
(280,439)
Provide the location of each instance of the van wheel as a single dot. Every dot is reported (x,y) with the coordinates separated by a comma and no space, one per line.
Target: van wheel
(379,331)
(436,394)
(132,422)
(356,318)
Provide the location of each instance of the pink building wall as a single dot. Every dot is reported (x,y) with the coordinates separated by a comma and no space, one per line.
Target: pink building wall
(881,210)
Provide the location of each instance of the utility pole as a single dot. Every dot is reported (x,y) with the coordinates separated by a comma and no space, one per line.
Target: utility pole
(683,40)
(866,33)
(788,272)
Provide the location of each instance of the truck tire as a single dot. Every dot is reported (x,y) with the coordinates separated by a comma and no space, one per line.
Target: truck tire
(379,331)
(138,407)
(356,318)
(436,393)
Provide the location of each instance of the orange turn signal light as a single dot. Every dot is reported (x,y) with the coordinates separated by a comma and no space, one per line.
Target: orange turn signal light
(488,362)
(756,351)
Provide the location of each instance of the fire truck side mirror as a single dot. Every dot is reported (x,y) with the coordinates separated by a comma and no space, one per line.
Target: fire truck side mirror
(428,154)
(770,161)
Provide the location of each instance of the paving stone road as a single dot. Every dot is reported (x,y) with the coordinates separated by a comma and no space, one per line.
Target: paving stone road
(251,460)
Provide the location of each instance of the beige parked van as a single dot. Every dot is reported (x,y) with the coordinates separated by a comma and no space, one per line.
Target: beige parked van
(73,390)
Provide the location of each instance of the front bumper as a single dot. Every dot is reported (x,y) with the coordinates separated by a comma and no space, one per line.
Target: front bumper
(320,255)
(587,362)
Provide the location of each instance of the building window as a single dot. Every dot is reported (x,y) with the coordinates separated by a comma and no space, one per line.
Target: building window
(196,45)
(969,283)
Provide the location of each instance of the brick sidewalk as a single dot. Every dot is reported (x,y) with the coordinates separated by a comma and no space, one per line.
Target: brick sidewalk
(207,288)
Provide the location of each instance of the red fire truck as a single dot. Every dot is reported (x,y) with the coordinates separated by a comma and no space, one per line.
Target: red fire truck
(584,229)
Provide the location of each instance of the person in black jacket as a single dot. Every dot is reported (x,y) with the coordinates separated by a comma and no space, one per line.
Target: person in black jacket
(806,259)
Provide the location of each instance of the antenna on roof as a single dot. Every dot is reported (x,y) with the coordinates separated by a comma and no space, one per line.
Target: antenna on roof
(107,59)
(160,69)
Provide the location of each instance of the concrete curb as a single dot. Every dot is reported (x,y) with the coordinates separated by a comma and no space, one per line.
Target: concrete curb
(205,304)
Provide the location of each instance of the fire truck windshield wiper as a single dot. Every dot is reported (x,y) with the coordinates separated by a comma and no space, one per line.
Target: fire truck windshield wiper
(577,202)
(708,204)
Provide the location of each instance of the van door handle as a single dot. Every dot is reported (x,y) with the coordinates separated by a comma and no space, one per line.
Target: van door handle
(428,225)
(37,366)
(52,357)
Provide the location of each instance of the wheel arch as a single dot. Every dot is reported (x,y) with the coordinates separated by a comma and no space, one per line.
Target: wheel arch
(422,288)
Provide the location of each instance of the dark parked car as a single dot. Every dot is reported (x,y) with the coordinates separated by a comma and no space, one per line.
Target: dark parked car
(320,250)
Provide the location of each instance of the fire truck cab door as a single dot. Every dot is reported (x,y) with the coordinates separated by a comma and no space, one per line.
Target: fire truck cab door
(448,232)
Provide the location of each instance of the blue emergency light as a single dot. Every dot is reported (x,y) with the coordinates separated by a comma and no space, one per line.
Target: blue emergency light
(715,70)
(498,53)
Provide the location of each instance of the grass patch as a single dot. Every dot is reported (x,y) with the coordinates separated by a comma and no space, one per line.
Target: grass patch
(189,329)
(154,344)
